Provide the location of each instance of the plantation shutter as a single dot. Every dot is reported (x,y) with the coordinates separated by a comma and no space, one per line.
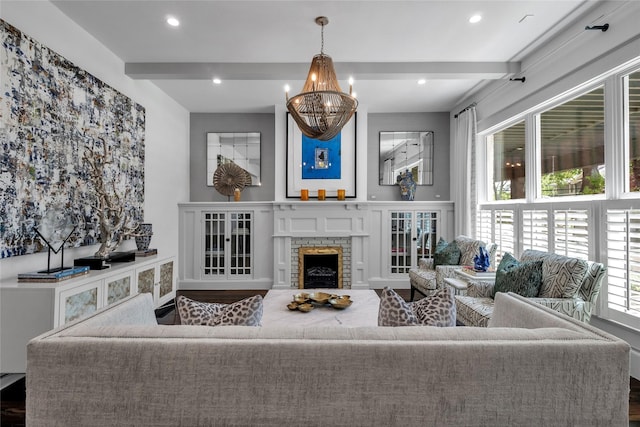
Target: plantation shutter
(505,237)
(571,233)
(623,260)
(535,230)
(483,226)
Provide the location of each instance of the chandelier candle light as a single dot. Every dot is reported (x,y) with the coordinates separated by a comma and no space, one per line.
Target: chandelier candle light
(322,109)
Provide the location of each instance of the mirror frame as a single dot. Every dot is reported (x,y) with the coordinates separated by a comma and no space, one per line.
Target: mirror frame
(240,143)
(390,144)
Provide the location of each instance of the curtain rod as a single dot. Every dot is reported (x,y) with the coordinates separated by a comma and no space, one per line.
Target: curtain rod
(473,104)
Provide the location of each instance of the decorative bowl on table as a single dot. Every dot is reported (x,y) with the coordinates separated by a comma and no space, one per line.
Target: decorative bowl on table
(301,298)
(293,305)
(306,307)
(320,297)
(340,302)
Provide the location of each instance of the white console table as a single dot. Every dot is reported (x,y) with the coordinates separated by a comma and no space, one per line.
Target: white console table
(29,309)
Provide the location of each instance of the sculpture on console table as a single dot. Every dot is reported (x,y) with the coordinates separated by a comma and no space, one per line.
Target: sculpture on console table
(110,196)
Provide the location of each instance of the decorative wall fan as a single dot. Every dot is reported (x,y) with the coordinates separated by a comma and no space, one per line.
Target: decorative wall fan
(228,177)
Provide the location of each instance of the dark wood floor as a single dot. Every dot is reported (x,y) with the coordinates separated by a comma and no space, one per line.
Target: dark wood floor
(12,398)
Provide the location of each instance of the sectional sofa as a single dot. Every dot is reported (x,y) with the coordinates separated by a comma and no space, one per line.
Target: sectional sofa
(531,366)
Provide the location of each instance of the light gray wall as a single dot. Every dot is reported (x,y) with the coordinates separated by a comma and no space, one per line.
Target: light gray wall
(438,123)
(202,123)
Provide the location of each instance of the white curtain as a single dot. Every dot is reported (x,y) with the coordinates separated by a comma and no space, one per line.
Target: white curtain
(463,170)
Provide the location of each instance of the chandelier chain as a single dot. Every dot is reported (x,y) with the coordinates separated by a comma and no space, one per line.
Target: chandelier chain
(322,39)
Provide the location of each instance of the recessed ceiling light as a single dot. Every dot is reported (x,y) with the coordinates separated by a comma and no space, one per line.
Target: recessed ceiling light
(216,81)
(173,21)
(421,81)
(475,19)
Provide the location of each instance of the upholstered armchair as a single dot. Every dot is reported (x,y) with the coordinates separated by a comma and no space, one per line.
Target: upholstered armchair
(427,279)
(476,307)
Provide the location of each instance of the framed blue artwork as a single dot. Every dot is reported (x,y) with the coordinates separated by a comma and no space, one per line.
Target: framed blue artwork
(321,159)
(313,164)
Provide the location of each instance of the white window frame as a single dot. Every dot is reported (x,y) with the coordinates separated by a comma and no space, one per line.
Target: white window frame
(616,195)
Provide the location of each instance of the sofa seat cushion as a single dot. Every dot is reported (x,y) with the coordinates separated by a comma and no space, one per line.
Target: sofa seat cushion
(246,312)
(423,279)
(472,311)
(438,309)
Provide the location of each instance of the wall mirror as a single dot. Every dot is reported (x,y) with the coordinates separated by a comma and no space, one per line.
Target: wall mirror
(241,148)
(404,150)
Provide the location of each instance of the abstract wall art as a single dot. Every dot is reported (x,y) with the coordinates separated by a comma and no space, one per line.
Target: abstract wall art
(328,165)
(52,114)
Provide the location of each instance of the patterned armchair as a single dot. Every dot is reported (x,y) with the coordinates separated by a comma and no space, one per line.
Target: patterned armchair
(476,307)
(427,280)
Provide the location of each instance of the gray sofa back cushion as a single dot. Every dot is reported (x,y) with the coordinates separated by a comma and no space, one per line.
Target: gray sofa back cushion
(149,375)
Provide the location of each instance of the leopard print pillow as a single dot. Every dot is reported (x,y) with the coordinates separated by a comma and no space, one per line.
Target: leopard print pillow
(394,311)
(247,312)
(438,309)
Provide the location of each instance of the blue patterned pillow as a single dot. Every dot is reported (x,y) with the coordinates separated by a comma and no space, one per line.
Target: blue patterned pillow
(521,278)
(448,255)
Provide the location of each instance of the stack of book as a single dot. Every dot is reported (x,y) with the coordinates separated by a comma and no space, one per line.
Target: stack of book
(53,276)
(473,272)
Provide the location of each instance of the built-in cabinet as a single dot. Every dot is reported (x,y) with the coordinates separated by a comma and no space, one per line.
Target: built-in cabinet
(254,245)
(227,244)
(413,235)
(29,309)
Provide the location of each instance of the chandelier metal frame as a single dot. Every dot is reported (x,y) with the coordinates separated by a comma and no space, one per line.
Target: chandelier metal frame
(321,110)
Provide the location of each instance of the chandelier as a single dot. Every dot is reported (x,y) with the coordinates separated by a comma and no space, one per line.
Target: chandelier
(322,109)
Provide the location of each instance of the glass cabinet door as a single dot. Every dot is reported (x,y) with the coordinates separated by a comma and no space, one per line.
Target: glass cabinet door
(214,243)
(413,236)
(241,224)
(400,242)
(228,244)
(426,232)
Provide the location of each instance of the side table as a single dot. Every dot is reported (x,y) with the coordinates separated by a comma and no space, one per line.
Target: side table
(459,284)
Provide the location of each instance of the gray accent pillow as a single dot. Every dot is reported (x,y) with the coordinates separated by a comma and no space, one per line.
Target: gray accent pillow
(521,278)
(246,312)
(438,309)
(394,310)
(448,255)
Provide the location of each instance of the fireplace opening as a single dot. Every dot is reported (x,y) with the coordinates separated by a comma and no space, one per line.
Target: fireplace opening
(320,267)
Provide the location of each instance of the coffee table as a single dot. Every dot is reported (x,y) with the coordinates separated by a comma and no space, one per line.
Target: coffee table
(363,311)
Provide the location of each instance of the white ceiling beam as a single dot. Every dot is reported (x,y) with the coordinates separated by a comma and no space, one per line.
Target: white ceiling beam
(298,71)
